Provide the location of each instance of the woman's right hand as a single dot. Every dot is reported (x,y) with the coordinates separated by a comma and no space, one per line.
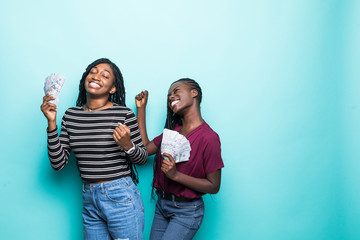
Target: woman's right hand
(49,109)
(141,99)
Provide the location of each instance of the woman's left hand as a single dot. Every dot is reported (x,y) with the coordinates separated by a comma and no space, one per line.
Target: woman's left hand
(121,136)
(169,166)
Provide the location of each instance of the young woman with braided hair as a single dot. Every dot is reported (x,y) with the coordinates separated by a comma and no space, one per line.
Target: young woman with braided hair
(104,135)
(179,187)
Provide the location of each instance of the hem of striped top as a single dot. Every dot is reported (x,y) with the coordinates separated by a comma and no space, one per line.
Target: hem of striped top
(97,180)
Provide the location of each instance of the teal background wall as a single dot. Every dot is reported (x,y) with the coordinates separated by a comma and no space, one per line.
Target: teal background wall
(281,88)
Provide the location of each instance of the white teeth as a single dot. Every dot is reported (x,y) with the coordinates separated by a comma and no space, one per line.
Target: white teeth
(94,85)
(174,102)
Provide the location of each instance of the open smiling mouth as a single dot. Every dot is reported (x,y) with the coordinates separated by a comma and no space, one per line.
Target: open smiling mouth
(94,85)
(174,102)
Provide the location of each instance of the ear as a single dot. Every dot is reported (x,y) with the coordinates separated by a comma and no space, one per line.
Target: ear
(194,93)
(112,90)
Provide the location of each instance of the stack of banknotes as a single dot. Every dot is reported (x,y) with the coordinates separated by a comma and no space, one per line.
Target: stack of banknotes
(176,145)
(53,84)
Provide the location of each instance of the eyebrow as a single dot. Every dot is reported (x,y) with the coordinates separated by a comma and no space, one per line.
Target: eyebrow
(104,70)
(173,90)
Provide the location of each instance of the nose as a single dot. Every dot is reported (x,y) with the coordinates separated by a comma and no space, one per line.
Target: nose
(96,76)
(171,97)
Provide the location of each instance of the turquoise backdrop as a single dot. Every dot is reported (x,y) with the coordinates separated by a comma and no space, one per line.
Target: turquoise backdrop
(281,88)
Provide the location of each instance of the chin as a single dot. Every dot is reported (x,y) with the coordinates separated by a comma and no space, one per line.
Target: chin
(175,109)
(178,112)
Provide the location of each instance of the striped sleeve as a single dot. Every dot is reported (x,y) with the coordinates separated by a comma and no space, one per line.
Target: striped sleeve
(139,155)
(58,147)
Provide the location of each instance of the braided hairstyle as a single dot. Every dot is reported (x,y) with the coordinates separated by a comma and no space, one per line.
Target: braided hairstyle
(118,97)
(173,119)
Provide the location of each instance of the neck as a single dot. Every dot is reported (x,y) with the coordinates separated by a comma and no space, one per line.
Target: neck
(95,104)
(191,120)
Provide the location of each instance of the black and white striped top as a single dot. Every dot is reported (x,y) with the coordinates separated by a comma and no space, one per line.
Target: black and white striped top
(89,135)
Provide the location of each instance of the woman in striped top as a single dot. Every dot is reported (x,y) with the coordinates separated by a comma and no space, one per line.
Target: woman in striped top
(104,135)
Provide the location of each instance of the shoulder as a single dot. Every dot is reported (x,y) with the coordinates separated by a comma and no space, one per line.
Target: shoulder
(71,114)
(125,109)
(126,114)
(73,111)
(207,132)
(207,136)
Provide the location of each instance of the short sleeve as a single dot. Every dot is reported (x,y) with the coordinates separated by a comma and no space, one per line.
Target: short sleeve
(212,153)
(157,140)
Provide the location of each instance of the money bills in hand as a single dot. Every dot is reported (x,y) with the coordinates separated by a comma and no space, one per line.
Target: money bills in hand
(53,85)
(176,145)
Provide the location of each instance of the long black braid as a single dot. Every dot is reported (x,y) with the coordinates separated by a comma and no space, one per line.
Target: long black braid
(173,119)
(118,97)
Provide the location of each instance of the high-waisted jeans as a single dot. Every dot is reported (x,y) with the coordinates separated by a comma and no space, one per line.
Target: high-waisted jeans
(113,210)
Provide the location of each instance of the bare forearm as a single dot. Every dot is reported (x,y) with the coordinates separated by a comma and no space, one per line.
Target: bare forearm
(150,146)
(204,185)
(141,119)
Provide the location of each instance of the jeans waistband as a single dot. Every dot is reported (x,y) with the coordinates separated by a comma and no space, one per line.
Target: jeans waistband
(125,181)
(172,197)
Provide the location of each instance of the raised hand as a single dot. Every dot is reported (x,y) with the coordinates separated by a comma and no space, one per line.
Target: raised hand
(48,109)
(141,99)
(121,136)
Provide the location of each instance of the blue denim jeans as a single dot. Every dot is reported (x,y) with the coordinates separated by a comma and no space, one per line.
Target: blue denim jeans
(176,220)
(113,210)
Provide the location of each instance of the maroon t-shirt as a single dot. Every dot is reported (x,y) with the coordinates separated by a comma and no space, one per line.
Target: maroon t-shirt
(205,157)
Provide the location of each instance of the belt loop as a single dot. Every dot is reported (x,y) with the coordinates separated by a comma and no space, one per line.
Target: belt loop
(161,193)
(83,187)
(102,188)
